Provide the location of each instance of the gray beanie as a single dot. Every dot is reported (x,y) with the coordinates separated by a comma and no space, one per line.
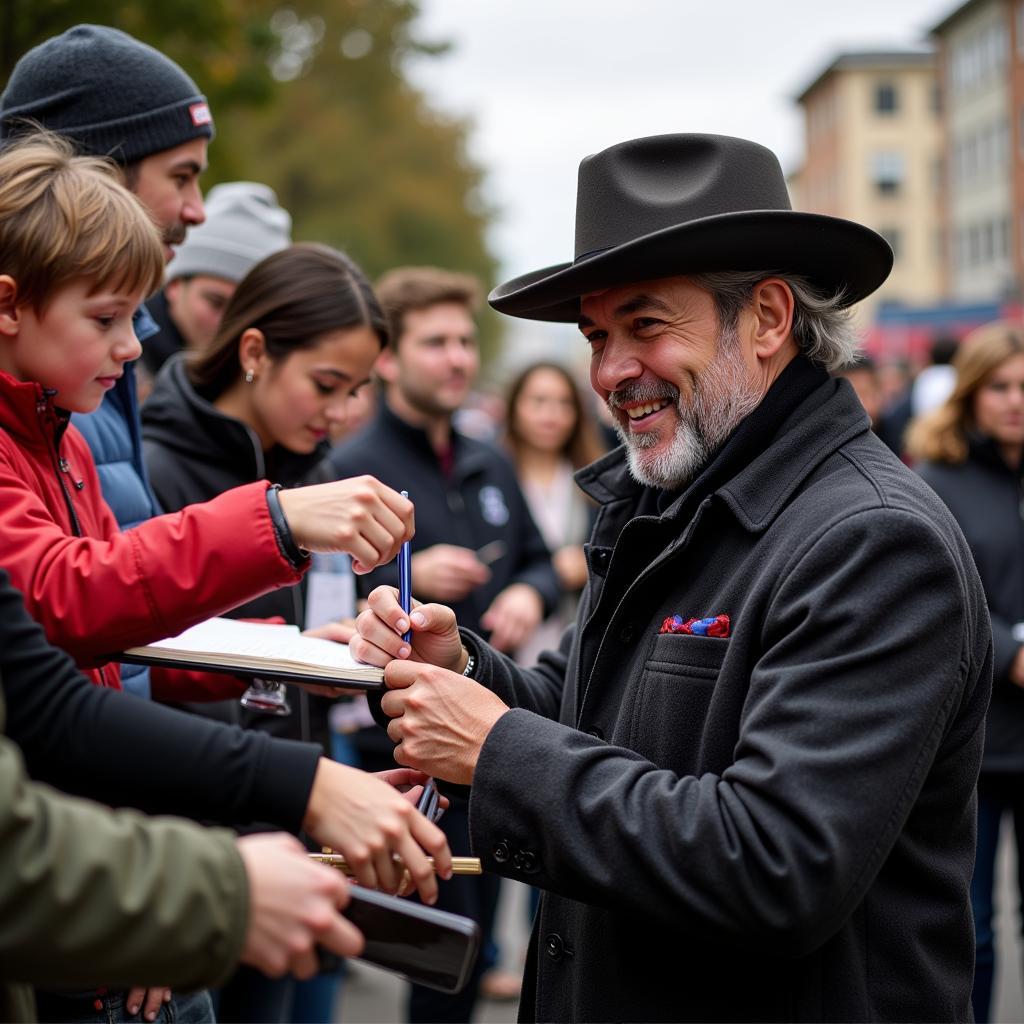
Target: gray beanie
(107,92)
(243,225)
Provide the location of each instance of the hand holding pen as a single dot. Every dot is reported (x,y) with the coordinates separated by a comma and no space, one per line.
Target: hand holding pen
(429,802)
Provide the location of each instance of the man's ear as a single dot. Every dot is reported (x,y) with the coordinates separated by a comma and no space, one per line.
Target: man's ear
(10,318)
(386,366)
(772,309)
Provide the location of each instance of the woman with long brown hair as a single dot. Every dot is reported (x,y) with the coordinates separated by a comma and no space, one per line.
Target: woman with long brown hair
(550,435)
(971,451)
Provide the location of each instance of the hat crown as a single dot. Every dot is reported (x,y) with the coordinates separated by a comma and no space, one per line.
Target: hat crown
(110,93)
(646,185)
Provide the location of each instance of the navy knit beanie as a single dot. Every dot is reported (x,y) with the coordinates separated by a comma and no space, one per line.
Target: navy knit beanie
(107,92)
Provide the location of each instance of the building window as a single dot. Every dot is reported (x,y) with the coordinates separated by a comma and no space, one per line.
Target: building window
(886,98)
(895,239)
(887,172)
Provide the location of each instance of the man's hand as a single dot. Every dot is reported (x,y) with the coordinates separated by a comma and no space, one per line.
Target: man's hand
(293,906)
(1017,668)
(445,572)
(570,564)
(440,719)
(435,633)
(371,823)
(513,616)
(148,1000)
(359,516)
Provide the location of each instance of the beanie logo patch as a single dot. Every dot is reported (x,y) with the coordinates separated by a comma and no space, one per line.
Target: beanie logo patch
(200,114)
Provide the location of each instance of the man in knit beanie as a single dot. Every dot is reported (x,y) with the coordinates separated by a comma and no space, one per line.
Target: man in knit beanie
(244,224)
(116,97)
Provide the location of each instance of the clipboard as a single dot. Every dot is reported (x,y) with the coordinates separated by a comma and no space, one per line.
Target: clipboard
(425,945)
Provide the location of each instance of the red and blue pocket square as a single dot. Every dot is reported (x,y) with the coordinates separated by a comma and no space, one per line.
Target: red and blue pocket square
(715,625)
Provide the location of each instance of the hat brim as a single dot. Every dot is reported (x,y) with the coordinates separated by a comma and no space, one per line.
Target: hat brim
(838,256)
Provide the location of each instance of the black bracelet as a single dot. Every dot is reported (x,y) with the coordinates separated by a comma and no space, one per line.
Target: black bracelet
(295,555)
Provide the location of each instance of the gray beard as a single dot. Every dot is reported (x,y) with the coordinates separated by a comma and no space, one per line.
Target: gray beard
(723,396)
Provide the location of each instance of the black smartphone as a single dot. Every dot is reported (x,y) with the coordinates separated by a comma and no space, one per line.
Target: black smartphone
(428,946)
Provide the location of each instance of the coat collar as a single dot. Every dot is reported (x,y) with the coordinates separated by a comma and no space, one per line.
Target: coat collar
(467,456)
(760,475)
(24,406)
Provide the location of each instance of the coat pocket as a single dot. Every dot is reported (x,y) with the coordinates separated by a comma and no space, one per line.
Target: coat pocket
(677,683)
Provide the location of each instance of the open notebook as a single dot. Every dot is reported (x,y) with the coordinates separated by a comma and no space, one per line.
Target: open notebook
(265,650)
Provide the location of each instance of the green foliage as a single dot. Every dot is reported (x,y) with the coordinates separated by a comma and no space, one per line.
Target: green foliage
(312,99)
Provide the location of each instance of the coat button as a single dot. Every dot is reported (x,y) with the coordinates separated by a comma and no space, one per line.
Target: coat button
(502,852)
(627,632)
(554,946)
(529,862)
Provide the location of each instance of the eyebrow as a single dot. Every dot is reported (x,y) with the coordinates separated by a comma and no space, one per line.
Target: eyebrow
(635,304)
(187,165)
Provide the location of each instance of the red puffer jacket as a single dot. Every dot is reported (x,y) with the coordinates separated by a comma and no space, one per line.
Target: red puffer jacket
(97,590)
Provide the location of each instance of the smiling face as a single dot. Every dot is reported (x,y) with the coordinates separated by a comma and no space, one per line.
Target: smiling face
(999,407)
(299,400)
(675,385)
(76,346)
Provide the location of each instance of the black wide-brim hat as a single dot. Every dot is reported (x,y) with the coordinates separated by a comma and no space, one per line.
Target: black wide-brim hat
(674,205)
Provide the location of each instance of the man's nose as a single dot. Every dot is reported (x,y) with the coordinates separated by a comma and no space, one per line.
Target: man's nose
(194,212)
(616,365)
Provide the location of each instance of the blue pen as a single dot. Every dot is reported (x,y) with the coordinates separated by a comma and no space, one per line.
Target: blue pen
(405,581)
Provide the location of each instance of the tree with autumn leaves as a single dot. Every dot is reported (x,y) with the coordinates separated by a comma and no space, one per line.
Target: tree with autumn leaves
(311,97)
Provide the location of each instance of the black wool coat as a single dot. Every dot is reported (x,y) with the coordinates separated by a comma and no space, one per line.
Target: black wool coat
(984,494)
(773,825)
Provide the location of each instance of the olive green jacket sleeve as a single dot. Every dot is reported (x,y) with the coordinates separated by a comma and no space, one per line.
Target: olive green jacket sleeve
(91,896)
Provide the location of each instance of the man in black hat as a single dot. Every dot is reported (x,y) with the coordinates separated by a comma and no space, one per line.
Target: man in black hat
(745,781)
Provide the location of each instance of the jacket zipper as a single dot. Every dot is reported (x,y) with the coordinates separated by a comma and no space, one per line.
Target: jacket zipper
(62,468)
(60,464)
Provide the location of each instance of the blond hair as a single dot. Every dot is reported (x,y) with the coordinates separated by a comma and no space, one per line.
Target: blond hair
(940,435)
(66,218)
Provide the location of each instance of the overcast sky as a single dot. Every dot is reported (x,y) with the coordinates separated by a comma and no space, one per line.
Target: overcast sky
(548,82)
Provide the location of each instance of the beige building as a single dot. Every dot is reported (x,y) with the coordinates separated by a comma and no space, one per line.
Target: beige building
(981,61)
(873,155)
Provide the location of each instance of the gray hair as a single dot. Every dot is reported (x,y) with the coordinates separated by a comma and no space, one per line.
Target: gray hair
(822,325)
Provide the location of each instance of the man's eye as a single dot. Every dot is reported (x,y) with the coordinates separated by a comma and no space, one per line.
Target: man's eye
(596,336)
(643,322)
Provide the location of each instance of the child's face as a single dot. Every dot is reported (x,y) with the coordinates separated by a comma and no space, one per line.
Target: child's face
(77,346)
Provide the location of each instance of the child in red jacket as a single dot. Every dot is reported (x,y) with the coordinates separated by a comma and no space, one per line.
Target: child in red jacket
(77,256)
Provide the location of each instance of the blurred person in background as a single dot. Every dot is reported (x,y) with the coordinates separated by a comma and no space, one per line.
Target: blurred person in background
(551,435)
(296,345)
(244,224)
(863,375)
(970,450)
(476,547)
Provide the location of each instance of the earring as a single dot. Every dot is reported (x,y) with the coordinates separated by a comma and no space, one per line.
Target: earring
(250,376)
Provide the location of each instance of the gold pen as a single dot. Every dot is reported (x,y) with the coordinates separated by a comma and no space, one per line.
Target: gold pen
(460,865)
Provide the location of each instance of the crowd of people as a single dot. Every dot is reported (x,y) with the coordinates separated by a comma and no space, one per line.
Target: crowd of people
(717,688)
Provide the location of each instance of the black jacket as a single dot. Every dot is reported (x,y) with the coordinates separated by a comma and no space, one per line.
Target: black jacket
(129,752)
(776,825)
(985,497)
(195,452)
(159,347)
(479,503)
